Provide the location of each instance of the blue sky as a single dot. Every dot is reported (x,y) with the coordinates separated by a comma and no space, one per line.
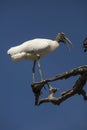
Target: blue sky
(22,20)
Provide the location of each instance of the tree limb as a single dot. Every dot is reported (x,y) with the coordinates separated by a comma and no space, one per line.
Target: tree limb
(76,89)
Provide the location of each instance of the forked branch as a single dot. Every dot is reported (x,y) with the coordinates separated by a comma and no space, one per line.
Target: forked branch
(77,88)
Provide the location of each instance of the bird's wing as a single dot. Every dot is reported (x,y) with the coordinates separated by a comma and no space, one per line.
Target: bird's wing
(35,46)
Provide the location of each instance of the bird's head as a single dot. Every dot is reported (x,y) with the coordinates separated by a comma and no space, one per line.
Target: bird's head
(61,37)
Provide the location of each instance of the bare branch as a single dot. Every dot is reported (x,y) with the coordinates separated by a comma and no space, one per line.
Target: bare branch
(51,97)
(76,89)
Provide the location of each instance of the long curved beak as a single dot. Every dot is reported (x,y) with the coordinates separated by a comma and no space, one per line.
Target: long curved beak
(67,42)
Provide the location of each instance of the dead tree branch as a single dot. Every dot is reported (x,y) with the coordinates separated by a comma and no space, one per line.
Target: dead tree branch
(76,89)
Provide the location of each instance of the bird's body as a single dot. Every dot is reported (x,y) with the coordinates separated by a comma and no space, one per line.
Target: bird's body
(32,48)
(36,49)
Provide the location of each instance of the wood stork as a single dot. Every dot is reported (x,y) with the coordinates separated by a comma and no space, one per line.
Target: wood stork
(85,44)
(36,49)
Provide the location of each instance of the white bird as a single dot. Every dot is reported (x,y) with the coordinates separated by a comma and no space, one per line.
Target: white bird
(36,49)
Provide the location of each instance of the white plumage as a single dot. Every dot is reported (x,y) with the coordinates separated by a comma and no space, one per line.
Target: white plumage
(36,49)
(30,49)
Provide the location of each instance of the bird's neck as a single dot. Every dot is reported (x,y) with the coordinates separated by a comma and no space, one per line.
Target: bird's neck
(57,39)
(54,45)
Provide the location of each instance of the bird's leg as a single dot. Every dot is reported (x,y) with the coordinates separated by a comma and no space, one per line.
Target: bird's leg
(39,68)
(33,71)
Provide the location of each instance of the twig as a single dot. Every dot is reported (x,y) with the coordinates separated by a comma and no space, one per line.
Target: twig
(51,97)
